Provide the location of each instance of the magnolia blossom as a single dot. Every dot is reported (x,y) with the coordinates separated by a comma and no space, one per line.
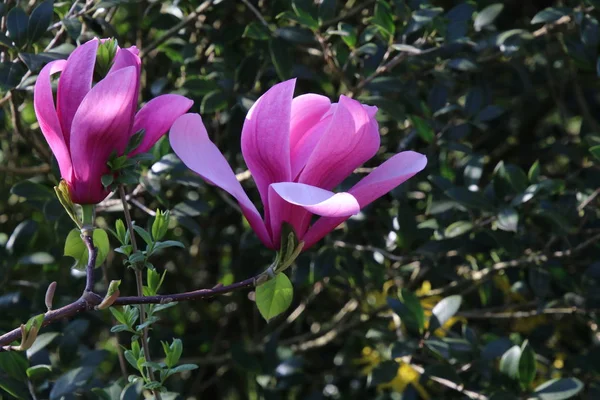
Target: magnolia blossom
(88,121)
(298,150)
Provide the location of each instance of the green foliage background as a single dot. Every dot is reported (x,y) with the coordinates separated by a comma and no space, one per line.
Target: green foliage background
(500,232)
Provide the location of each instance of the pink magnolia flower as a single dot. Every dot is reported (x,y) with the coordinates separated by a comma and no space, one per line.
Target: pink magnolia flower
(298,149)
(88,122)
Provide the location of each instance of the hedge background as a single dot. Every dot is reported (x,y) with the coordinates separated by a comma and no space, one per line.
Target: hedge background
(503,224)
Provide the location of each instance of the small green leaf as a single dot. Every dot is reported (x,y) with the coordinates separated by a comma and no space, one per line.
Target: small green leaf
(595,150)
(487,16)
(107,180)
(256,31)
(508,219)
(160,224)
(174,354)
(458,228)
(534,172)
(550,14)
(383,18)
(38,372)
(527,365)
(509,363)
(274,296)
(423,128)
(559,389)
(144,234)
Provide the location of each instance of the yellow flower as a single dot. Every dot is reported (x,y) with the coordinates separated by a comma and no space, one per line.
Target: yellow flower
(406,375)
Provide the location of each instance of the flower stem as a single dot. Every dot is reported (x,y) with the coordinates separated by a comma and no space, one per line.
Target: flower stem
(139,284)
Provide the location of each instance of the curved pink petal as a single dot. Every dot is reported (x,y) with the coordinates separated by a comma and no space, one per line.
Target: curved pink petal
(157,116)
(74,84)
(101,126)
(295,203)
(307,111)
(45,111)
(266,138)
(190,142)
(351,138)
(129,58)
(380,181)
(316,200)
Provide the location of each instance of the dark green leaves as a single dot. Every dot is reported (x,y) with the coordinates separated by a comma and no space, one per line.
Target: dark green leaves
(559,389)
(443,311)
(16,22)
(409,309)
(39,20)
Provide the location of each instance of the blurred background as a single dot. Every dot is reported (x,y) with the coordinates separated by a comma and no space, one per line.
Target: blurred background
(478,278)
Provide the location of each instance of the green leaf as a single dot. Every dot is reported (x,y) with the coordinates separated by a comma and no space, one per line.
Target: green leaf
(107,180)
(527,365)
(508,219)
(509,363)
(413,304)
(469,199)
(462,64)
(348,34)
(443,311)
(213,102)
(559,389)
(16,22)
(40,20)
(458,228)
(281,58)
(76,248)
(257,31)
(175,351)
(10,75)
(41,342)
(383,18)
(487,16)
(181,368)
(423,128)
(595,150)
(160,224)
(15,388)
(274,296)
(38,372)
(144,234)
(14,364)
(550,14)
(534,171)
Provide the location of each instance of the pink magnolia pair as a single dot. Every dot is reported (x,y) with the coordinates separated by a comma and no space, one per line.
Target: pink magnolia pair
(297,149)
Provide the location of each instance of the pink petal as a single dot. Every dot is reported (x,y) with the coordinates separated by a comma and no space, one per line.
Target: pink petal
(316,200)
(45,111)
(307,111)
(294,202)
(190,142)
(101,125)
(129,58)
(351,138)
(75,82)
(266,138)
(157,116)
(380,181)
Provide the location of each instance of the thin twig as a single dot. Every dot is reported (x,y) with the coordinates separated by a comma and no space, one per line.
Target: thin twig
(139,284)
